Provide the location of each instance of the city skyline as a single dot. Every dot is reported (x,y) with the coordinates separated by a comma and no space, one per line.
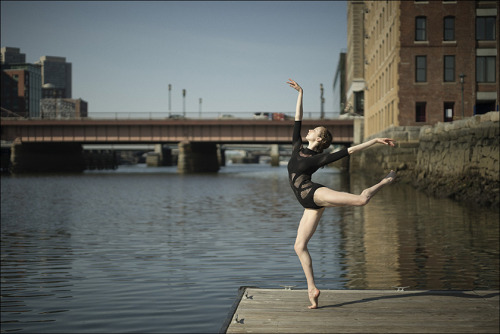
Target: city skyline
(235,56)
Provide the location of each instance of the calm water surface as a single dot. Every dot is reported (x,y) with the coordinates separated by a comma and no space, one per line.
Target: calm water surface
(148,250)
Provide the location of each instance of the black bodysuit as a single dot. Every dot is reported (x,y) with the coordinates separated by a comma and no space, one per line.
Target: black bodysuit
(303,163)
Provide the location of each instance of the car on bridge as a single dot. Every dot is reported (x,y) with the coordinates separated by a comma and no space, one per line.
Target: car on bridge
(272,116)
(226,116)
(177,116)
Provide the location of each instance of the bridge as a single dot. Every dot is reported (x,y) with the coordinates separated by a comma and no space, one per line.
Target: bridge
(89,131)
(197,138)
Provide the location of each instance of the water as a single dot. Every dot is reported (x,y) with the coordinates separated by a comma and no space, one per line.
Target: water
(148,250)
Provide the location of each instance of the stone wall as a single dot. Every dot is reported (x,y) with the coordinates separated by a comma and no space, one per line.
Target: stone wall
(380,159)
(459,159)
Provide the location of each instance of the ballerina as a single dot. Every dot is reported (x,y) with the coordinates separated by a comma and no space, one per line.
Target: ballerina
(316,197)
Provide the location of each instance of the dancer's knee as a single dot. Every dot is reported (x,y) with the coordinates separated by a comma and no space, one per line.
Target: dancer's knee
(299,247)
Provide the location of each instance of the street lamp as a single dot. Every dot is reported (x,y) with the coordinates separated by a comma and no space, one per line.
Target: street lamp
(169,100)
(200,107)
(184,102)
(462,76)
(322,101)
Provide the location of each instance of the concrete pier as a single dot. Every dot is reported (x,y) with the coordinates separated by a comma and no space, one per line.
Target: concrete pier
(275,155)
(47,157)
(5,154)
(197,157)
(221,155)
(364,311)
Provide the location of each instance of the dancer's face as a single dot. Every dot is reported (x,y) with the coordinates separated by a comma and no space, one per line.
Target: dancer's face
(314,134)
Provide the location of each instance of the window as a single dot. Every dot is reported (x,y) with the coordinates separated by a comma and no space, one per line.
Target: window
(485,69)
(420,112)
(449,28)
(448,111)
(421,69)
(420,28)
(482,107)
(485,28)
(359,102)
(449,69)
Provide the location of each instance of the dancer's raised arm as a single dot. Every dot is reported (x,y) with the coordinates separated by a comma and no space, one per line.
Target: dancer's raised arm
(298,109)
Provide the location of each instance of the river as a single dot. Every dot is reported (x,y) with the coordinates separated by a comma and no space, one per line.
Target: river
(148,250)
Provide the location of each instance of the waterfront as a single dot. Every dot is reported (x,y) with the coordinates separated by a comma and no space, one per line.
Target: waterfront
(148,250)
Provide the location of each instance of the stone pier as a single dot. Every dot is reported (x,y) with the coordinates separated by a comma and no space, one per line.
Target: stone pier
(275,155)
(162,156)
(5,152)
(47,157)
(221,155)
(197,158)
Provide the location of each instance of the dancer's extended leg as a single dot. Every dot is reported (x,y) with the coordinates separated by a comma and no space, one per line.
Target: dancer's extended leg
(307,226)
(328,197)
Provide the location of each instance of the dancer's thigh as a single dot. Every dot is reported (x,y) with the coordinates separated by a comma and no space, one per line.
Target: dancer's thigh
(327,197)
(308,224)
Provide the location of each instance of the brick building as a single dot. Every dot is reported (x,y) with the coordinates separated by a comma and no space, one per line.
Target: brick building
(10,100)
(21,89)
(355,67)
(21,84)
(419,55)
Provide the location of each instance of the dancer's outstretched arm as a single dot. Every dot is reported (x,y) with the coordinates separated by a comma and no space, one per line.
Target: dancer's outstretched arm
(298,111)
(359,147)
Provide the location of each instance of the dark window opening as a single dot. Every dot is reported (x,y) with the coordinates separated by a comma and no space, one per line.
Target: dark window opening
(420,112)
(483,107)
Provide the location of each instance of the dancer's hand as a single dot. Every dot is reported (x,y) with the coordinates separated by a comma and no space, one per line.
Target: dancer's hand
(294,85)
(386,141)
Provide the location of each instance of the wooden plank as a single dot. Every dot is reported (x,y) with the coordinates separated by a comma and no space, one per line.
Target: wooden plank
(364,311)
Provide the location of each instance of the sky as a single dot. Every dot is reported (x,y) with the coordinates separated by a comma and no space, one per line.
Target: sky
(234,55)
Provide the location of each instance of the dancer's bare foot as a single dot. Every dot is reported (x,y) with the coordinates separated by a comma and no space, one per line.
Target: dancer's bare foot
(313,297)
(368,193)
(389,178)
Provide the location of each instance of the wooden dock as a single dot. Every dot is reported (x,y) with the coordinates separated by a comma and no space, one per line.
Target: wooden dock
(364,311)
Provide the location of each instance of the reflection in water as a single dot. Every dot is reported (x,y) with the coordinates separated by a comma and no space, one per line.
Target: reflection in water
(148,250)
(410,239)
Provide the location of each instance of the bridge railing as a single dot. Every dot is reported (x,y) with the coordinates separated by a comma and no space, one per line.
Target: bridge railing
(203,115)
(146,115)
(154,115)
